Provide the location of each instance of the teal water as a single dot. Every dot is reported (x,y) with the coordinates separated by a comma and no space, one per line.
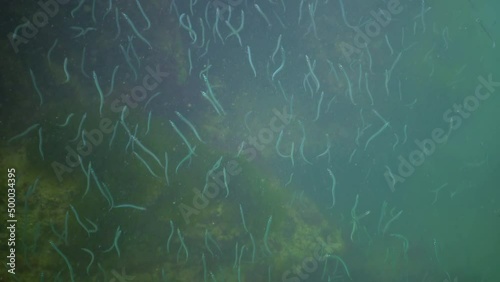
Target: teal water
(344,140)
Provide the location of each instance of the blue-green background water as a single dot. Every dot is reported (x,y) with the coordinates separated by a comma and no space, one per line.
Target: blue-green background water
(442,212)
